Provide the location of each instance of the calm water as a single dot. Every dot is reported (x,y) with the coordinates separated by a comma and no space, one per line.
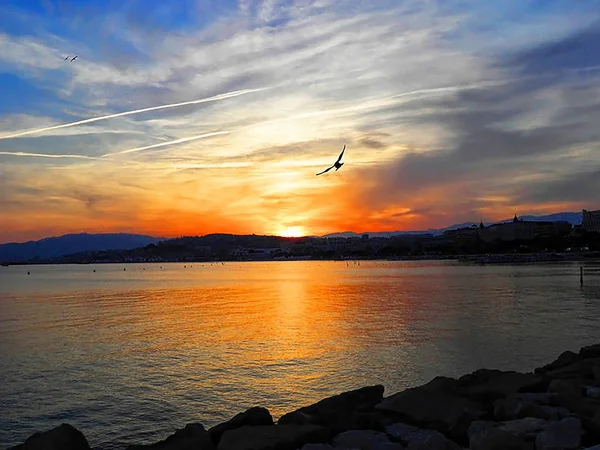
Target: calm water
(130,356)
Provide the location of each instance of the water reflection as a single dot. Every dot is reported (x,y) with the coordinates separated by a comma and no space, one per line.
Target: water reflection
(129,356)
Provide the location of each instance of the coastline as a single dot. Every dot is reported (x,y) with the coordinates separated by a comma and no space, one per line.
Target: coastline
(495,258)
(553,407)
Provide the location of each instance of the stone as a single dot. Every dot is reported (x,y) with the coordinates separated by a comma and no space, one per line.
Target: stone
(347,411)
(527,427)
(254,416)
(360,439)
(579,369)
(435,405)
(278,437)
(63,437)
(560,435)
(502,440)
(565,359)
(596,373)
(592,391)
(595,447)
(590,351)
(317,447)
(192,437)
(489,385)
(414,438)
(519,407)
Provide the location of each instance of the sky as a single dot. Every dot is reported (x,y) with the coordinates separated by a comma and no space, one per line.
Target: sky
(451,111)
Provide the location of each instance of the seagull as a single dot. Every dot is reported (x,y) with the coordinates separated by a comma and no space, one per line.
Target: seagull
(66,58)
(337,164)
(74,58)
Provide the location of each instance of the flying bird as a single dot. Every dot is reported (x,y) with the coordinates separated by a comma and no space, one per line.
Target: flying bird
(337,164)
(74,58)
(66,58)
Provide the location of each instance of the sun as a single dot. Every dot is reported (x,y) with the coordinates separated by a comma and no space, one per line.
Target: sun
(292,232)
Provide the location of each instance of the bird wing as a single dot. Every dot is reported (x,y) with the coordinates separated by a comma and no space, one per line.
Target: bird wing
(326,170)
(341,154)
(74,59)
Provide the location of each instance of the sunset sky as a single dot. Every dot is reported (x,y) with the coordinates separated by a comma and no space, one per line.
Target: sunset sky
(451,111)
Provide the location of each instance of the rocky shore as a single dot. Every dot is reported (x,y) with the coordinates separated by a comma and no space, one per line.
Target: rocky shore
(555,407)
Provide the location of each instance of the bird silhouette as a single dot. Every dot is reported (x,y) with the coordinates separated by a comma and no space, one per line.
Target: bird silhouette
(74,58)
(66,58)
(337,164)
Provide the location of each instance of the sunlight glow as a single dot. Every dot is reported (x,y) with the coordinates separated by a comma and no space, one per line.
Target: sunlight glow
(295,231)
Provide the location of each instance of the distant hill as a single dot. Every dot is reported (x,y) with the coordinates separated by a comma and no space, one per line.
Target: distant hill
(72,243)
(574,218)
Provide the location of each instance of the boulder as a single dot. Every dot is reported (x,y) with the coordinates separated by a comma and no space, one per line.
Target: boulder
(511,435)
(63,437)
(502,440)
(489,385)
(360,439)
(596,372)
(590,351)
(192,437)
(584,368)
(346,411)
(435,405)
(519,407)
(278,437)
(255,416)
(565,359)
(592,392)
(572,387)
(560,435)
(414,438)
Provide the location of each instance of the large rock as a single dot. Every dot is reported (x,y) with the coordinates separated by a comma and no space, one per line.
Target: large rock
(192,437)
(565,359)
(360,439)
(584,368)
(63,437)
(489,385)
(278,437)
(346,411)
(591,351)
(560,435)
(510,435)
(435,405)
(519,406)
(255,416)
(415,438)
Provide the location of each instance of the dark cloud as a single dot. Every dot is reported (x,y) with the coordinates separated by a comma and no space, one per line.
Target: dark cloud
(372,143)
(504,131)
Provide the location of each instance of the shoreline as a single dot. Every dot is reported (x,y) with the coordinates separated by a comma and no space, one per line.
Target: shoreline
(556,406)
(495,258)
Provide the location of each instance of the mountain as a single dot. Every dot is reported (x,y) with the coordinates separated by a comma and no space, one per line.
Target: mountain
(574,218)
(72,243)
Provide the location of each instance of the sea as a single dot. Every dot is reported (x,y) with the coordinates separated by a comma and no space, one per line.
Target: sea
(129,353)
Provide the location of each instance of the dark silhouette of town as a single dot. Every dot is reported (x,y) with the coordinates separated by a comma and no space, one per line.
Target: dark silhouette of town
(518,239)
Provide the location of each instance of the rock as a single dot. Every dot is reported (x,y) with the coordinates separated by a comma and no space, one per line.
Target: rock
(502,440)
(562,435)
(592,391)
(489,385)
(583,406)
(63,437)
(565,359)
(596,373)
(595,447)
(565,387)
(254,416)
(192,437)
(517,434)
(278,437)
(519,407)
(360,439)
(583,368)
(591,351)
(347,411)
(420,439)
(317,447)
(435,405)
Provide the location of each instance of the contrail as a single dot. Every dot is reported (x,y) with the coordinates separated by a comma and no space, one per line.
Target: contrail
(46,155)
(136,111)
(163,144)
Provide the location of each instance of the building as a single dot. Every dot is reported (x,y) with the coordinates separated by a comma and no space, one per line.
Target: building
(590,220)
